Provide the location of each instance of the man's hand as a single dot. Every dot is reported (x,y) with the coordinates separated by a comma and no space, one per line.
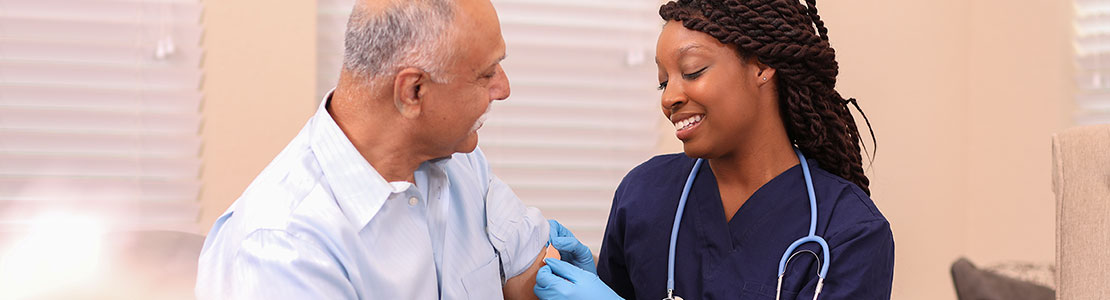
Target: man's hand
(571,250)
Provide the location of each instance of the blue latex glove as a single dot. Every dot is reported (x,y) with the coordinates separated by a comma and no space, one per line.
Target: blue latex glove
(570,249)
(561,280)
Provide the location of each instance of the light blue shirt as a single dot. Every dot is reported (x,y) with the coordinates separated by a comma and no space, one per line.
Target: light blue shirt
(320,223)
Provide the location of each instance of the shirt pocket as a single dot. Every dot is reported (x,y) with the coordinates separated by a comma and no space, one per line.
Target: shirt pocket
(753,291)
(485,281)
(749,295)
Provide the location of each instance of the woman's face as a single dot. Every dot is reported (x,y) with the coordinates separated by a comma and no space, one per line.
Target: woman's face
(712,95)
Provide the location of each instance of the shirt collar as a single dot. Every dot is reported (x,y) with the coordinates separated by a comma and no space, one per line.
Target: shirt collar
(358,188)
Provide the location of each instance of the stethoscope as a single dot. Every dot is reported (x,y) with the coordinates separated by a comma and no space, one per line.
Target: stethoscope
(786,256)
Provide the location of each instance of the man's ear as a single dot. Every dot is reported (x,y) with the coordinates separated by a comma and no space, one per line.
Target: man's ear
(407,93)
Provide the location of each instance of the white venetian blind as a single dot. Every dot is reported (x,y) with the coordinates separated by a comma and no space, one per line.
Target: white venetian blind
(583,111)
(99,111)
(331,24)
(1092,44)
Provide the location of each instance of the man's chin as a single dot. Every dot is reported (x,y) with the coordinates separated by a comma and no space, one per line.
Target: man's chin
(469,144)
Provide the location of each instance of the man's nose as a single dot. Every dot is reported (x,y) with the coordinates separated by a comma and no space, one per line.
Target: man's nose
(499,89)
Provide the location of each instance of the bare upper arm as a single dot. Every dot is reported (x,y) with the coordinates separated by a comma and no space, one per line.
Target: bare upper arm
(520,286)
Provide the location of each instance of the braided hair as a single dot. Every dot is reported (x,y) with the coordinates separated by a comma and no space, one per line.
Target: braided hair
(792,38)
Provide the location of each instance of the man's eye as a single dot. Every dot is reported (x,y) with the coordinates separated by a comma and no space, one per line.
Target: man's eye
(662,86)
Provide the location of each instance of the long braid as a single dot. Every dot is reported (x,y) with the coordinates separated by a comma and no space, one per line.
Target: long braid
(812,11)
(792,38)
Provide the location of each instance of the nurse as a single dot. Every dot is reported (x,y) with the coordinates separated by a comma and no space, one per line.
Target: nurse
(745,83)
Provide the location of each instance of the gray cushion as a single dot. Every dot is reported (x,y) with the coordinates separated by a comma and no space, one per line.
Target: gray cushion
(977,284)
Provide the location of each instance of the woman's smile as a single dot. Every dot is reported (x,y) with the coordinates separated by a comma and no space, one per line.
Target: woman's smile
(685,125)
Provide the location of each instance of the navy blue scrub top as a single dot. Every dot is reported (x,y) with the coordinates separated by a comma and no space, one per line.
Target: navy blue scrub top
(738,259)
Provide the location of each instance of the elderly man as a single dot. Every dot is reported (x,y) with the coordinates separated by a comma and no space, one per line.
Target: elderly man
(384,194)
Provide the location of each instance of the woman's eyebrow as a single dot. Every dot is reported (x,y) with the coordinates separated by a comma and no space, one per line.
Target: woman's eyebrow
(683,50)
(687,48)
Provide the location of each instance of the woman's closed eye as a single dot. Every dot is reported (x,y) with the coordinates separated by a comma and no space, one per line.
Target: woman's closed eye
(694,75)
(690,76)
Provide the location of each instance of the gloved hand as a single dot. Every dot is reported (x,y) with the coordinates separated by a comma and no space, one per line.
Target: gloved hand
(561,280)
(570,248)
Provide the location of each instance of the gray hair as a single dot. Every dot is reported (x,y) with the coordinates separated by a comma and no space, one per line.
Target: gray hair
(409,33)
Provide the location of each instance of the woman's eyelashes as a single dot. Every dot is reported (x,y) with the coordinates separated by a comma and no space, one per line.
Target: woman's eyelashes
(690,76)
(694,75)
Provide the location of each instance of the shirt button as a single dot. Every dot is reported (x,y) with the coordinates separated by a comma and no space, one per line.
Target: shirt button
(413,201)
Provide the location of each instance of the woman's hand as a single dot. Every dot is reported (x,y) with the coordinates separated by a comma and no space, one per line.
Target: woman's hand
(561,280)
(571,250)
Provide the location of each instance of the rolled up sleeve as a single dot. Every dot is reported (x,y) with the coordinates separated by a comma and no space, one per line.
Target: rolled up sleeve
(517,232)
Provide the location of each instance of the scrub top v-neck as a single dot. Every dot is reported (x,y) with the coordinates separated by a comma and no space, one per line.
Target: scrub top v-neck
(738,258)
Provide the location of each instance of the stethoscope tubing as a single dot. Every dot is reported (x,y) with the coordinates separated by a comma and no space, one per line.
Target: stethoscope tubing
(812,237)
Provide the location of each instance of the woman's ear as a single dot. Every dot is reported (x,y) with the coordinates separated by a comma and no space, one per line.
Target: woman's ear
(407,94)
(764,73)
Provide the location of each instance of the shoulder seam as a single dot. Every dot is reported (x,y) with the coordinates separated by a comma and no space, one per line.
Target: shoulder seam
(848,228)
(284,232)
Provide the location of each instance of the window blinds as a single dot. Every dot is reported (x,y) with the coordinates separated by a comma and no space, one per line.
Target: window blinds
(331,23)
(99,111)
(583,109)
(1092,44)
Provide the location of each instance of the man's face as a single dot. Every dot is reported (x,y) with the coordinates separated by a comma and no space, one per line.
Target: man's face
(456,109)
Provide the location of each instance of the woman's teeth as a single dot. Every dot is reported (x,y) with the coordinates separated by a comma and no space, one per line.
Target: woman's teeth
(691,121)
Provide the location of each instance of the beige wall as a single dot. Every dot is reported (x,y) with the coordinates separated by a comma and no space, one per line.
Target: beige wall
(963,97)
(1020,87)
(260,76)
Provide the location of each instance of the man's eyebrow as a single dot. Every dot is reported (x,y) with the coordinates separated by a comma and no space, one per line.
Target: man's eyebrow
(499,60)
